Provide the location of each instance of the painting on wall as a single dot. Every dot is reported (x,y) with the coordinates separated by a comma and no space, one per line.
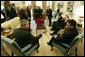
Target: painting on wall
(70,6)
(60,5)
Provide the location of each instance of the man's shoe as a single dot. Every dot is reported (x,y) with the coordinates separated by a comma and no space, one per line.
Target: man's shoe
(49,43)
(39,36)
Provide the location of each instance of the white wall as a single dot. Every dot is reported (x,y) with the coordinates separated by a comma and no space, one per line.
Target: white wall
(78,9)
(17,3)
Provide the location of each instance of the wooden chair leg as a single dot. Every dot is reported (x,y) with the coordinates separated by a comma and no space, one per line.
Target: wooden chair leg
(38,48)
(37,51)
(12,53)
(51,48)
(76,51)
(45,31)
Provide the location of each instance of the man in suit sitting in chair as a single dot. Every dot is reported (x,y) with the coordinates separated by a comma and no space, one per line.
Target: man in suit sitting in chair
(23,35)
(69,34)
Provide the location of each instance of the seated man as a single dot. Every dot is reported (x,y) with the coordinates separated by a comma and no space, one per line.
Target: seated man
(57,25)
(60,24)
(69,34)
(23,35)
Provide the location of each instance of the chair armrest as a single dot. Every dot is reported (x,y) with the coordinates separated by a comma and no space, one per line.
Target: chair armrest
(27,53)
(66,45)
(26,47)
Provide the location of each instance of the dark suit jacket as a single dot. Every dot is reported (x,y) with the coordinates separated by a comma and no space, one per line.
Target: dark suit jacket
(10,13)
(67,36)
(29,13)
(59,23)
(24,14)
(49,13)
(37,13)
(22,36)
(3,13)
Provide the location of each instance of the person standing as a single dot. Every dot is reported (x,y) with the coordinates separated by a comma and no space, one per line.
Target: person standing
(24,14)
(10,12)
(39,12)
(49,15)
(35,12)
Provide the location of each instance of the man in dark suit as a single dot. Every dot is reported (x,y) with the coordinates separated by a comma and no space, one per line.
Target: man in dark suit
(69,34)
(57,25)
(49,15)
(23,35)
(24,13)
(39,12)
(10,12)
(29,11)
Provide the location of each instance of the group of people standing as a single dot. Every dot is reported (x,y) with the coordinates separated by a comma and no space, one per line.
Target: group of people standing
(8,12)
(37,11)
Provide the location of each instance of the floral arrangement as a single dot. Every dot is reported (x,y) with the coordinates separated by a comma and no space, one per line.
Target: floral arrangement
(39,21)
